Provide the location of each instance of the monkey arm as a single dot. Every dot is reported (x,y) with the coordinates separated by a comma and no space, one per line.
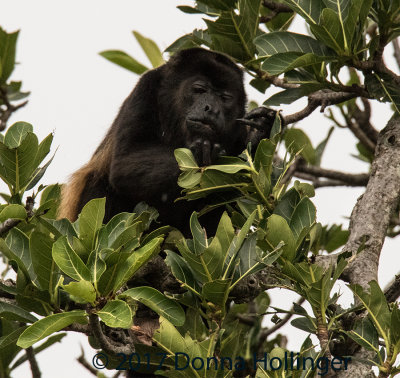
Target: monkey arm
(148,171)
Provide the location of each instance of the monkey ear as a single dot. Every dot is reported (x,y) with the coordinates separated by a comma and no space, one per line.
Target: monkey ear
(140,109)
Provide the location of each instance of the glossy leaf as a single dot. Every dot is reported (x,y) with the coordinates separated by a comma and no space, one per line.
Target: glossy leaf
(158,302)
(124,60)
(48,325)
(68,261)
(151,50)
(115,314)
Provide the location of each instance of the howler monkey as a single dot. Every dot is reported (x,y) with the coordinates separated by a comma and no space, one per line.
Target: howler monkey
(192,101)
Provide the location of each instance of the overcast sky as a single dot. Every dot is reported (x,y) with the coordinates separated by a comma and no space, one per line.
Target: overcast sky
(76,94)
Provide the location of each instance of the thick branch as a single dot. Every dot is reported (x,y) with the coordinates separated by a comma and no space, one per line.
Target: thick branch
(369,222)
(371,215)
(106,344)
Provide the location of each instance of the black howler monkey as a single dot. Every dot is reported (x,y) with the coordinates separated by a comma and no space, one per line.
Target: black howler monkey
(191,101)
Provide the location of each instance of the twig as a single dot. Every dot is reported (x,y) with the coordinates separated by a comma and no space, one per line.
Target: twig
(392,292)
(350,179)
(11,223)
(82,360)
(268,331)
(321,98)
(5,114)
(108,345)
(32,361)
(317,183)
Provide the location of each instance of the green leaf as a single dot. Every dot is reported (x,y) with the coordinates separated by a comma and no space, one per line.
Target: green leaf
(310,10)
(264,156)
(137,259)
(10,340)
(383,88)
(13,211)
(48,343)
(96,264)
(68,261)
(291,95)
(8,42)
(376,304)
(17,164)
(200,242)
(233,32)
(158,302)
(124,60)
(182,271)
(284,62)
(48,325)
(331,31)
(230,165)
(319,150)
(115,314)
(305,324)
(151,50)
(297,141)
(224,5)
(185,159)
(17,133)
(270,44)
(278,230)
(189,179)
(90,221)
(364,334)
(45,268)
(16,248)
(287,204)
(217,291)
(303,217)
(81,289)
(12,312)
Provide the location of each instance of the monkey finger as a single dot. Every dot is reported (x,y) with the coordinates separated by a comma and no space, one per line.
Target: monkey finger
(216,150)
(206,152)
(196,148)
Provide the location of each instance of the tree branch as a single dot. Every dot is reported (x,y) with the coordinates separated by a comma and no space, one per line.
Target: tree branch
(6,113)
(392,292)
(106,344)
(30,354)
(11,223)
(369,222)
(268,331)
(349,179)
(321,98)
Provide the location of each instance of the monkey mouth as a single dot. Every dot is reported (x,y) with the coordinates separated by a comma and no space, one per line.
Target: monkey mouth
(201,126)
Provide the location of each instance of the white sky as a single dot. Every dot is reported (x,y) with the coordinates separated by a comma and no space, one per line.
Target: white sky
(76,93)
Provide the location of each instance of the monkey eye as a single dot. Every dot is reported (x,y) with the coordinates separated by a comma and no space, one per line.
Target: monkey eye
(226,97)
(199,88)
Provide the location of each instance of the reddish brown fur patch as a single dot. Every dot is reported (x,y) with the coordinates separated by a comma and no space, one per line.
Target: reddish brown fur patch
(71,192)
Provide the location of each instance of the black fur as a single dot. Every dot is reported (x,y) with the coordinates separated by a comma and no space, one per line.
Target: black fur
(192,101)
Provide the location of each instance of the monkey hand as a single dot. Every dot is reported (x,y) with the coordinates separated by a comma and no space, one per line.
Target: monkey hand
(259,122)
(205,152)
(261,118)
